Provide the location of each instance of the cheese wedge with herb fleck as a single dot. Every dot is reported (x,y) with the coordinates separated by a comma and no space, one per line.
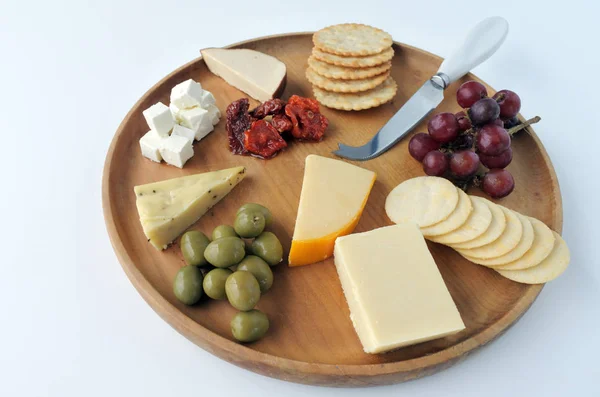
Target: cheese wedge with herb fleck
(168,208)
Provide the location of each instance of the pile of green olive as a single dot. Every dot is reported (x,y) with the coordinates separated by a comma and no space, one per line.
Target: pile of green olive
(235,266)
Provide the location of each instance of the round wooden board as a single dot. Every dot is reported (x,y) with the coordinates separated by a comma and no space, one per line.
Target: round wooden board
(311,339)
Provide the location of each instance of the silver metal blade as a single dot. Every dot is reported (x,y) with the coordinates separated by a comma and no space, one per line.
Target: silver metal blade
(427,98)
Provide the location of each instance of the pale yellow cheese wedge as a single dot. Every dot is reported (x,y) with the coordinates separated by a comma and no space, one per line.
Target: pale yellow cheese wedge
(476,224)
(547,270)
(543,242)
(524,245)
(496,228)
(505,243)
(167,208)
(424,200)
(456,219)
(395,292)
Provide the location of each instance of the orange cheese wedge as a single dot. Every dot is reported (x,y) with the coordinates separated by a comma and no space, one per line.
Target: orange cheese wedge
(334,194)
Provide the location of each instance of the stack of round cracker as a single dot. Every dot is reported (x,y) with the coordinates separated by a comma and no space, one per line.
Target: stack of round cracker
(350,67)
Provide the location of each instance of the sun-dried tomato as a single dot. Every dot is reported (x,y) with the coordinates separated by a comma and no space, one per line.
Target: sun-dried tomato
(238,121)
(307,122)
(262,139)
(268,108)
(281,123)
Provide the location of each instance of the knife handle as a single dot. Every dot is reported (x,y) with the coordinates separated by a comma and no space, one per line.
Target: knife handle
(481,42)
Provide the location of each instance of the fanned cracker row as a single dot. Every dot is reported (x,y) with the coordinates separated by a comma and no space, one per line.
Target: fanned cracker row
(358,101)
(346,73)
(352,39)
(345,85)
(354,62)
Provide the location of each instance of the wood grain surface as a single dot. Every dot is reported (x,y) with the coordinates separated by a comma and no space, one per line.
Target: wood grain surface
(311,339)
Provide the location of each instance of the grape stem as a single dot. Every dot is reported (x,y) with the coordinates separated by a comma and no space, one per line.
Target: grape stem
(524,124)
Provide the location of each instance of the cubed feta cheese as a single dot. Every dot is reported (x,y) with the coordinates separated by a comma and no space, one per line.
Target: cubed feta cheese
(207,99)
(159,119)
(187,94)
(184,132)
(176,150)
(214,113)
(150,144)
(175,112)
(196,119)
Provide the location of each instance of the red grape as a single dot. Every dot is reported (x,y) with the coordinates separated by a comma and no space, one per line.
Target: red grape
(464,164)
(510,123)
(500,161)
(464,141)
(435,163)
(492,140)
(509,103)
(443,127)
(498,122)
(421,144)
(469,93)
(484,111)
(498,183)
(463,121)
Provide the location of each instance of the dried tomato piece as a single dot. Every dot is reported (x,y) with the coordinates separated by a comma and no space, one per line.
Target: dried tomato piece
(262,139)
(282,123)
(238,121)
(268,108)
(307,122)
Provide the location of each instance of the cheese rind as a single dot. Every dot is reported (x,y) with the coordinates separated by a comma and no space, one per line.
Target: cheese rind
(395,292)
(259,75)
(167,208)
(333,196)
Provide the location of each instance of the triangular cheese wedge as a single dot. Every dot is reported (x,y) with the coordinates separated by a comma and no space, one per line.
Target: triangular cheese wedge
(333,196)
(259,75)
(167,208)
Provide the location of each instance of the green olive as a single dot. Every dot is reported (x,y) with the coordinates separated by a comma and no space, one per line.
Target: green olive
(225,252)
(214,283)
(193,244)
(249,223)
(223,231)
(249,326)
(242,290)
(268,247)
(187,286)
(259,269)
(257,207)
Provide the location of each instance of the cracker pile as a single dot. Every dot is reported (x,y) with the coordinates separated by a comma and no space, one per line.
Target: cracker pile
(350,67)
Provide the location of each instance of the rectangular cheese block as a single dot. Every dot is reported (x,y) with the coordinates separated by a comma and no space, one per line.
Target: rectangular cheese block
(395,292)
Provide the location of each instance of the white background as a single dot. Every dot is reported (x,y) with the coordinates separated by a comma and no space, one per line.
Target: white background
(73,325)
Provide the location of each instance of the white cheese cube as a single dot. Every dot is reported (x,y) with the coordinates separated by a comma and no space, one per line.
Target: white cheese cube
(150,144)
(196,119)
(207,99)
(185,132)
(175,112)
(187,94)
(176,150)
(159,119)
(214,113)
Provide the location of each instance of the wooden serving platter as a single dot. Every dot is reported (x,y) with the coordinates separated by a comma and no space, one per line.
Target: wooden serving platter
(311,339)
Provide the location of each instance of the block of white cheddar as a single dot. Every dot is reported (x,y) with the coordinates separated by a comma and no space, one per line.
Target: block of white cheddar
(395,292)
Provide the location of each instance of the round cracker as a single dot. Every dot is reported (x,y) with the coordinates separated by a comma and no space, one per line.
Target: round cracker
(354,62)
(345,73)
(352,39)
(548,269)
(360,100)
(496,228)
(456,219)
(345,85)
(424,200)
(543,243)
(517,252)
(505,243)
(476,224)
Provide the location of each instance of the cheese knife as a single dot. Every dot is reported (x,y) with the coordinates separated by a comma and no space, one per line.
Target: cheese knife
(481,42)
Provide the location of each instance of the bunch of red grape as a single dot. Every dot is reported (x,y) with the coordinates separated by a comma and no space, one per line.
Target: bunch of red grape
(457,144)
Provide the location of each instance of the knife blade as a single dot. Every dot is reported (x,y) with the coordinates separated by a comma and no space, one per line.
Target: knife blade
(481,42)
